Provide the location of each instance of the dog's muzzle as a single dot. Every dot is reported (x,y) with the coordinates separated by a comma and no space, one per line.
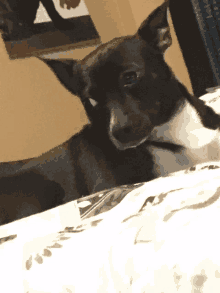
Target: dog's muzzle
(129,135)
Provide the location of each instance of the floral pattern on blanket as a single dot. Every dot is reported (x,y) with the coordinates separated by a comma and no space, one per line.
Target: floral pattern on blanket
(101,203)
(175,213)
(118,213)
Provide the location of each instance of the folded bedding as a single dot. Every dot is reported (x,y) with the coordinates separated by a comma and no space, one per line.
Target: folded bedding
(160,236)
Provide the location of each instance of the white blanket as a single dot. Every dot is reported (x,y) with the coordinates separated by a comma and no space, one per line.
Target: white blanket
(168,245)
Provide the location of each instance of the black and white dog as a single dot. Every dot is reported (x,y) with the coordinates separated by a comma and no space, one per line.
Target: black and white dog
(144,124)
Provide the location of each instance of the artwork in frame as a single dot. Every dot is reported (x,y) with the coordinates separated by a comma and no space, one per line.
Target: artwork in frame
(32,28)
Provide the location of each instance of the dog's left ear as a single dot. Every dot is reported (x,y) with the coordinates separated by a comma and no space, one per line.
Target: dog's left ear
(68,73)
(155,29)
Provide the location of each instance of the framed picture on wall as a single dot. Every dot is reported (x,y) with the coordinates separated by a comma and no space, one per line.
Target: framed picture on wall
(36,27)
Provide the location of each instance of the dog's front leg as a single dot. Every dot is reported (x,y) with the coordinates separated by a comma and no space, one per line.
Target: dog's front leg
(99,177)
(95,169)
(103,184)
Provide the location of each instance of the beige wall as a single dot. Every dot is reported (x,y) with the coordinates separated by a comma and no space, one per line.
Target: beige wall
(36,112)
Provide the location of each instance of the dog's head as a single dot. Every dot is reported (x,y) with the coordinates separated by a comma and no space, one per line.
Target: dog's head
(127,86)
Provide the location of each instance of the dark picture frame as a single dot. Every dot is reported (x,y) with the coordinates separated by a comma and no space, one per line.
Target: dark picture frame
(44,38)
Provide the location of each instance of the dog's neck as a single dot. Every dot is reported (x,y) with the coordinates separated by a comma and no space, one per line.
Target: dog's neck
(185,128)
(199,144)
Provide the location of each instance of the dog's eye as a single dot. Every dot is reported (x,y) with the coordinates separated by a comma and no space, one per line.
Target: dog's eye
(130,78)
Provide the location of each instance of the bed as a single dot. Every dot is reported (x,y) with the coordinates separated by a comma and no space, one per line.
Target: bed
(160,236)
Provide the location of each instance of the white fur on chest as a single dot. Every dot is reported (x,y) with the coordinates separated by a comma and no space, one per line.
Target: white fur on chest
(185,129)
(166,161)
(199,144)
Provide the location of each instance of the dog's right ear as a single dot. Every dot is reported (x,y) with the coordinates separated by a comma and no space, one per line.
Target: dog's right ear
(68,73)
(155,29)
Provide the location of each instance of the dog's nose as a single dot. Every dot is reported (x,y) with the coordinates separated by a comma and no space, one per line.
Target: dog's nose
(129,135)
(124,134)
